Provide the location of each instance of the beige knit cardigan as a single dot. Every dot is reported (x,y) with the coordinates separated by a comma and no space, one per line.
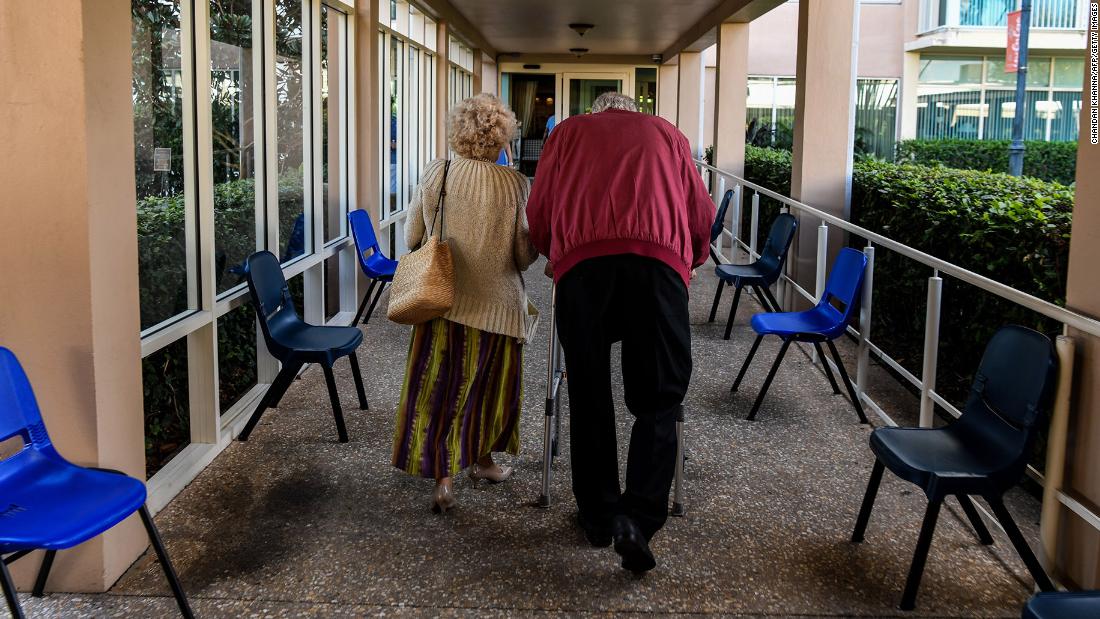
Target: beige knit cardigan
(485,222)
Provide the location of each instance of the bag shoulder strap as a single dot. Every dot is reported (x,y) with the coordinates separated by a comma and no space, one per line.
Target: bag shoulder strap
(439,205)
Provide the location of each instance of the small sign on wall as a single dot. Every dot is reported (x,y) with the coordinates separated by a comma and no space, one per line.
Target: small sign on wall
(1012,50)
(162,159)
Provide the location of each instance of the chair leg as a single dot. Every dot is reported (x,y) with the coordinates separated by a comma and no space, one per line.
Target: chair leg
(1018,541)
(358,376)
(847,382)
(920,555)
(378,295)
(868,501)
(763,300)
(9,592)
(771,299)
(717,299)
(768,380)
(733,311)
(43,574)
(334,396)
(745,365)
(165,563)
(271,399)
(825,364)
(975,519)
(363,305)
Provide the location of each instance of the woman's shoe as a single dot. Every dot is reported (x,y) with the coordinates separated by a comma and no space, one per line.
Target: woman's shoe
(495,474)
(443,499)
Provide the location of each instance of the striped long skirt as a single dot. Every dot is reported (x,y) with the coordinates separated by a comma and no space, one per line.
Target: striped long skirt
(460,401)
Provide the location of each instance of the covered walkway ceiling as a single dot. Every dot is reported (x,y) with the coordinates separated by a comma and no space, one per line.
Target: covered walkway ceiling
(638,27)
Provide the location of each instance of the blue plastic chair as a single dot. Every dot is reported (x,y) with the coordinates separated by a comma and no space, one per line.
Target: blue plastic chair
(719,225)
(1063,605)
(759,275)
(823,323)
(294,342)
(984,452)
(48,503)
(375,265)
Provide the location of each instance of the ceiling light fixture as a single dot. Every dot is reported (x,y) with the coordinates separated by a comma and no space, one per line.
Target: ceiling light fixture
(581,28)
(578,51)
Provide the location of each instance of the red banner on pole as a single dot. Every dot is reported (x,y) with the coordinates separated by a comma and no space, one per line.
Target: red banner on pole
(1012,50)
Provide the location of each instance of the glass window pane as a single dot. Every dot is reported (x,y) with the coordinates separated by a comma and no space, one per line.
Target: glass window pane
(236,355)
(1038,72)
(1001,108)
(985,12)
(166,287)
(394,107)
(876,117)
(645,89)
(948,112)
(1065,115)
(950,70)
(334,111)
(332,285)
(412,123)
(166,401)
(233,131)
(290,129)
(1069,72)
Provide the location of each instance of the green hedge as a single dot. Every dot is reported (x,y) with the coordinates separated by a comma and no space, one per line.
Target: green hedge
(1049,161)
(1013,230)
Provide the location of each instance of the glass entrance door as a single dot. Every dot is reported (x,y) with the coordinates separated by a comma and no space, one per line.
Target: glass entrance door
(581,90)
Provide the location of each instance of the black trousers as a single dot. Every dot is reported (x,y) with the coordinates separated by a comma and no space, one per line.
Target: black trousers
(644,303)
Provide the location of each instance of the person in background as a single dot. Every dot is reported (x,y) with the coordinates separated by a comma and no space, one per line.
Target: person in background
(463,387)
(625,219)
(550,124)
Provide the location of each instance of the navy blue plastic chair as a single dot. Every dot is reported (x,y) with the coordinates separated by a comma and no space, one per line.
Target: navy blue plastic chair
(294,342)
(984,452)
(375,265)
(719,225)
(823,323)
(759,275)
(48,503)
(1063,605)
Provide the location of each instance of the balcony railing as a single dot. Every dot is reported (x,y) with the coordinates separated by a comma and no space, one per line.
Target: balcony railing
(1045,14)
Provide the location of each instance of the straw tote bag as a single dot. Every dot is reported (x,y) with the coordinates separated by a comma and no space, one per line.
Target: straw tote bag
(424,284)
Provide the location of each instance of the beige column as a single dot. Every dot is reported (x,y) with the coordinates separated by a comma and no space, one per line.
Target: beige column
(1079,559)
(366,111)
(689,100)
(668,77)
(821,166)
(730,96)
(478,67)
(908,95)
(69,250)
(442,88)
(490,78)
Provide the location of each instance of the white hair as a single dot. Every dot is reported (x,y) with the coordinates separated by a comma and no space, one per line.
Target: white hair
(613,101)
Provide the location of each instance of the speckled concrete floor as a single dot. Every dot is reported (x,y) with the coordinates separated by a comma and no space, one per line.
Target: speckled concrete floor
(293,523)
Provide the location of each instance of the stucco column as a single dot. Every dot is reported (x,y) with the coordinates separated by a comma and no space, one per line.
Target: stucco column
(668,77)
(730,96)
(821,166)
(478,67)
(442,90)
(69,250)
(689,99)
(907,107)
(1078,562)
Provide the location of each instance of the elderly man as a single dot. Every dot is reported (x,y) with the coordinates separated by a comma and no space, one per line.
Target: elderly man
(623,216)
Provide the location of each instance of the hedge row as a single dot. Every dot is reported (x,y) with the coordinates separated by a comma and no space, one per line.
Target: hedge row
(1049,161)
(1013,230)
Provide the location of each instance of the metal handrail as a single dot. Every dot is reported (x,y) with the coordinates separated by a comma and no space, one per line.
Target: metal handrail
(1046,308)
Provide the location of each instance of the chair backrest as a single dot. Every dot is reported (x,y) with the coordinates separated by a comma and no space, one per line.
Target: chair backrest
(774,253)
(19,414)
(362,232)
(720,216)
(845,284)
(1012,389)
(271,298)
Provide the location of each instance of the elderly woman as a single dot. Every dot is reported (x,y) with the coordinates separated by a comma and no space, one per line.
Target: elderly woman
(463,386)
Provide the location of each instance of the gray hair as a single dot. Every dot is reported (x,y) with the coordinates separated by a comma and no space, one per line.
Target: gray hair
(613,101)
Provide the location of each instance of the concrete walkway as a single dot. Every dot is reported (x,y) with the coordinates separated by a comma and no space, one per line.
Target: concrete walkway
(293,523)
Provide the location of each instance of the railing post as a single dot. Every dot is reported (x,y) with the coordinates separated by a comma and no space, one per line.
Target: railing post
(735,227)
(754,224)
(822,260)
(863,356)
(931,349)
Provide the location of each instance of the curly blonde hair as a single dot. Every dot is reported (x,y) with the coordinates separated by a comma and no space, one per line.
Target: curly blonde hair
(478,127)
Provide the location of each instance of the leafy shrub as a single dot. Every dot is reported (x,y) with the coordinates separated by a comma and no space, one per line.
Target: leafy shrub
(1049,161)
(1013,230)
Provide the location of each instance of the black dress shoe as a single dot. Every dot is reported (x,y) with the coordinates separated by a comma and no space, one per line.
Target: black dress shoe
(599,537)
(632,546)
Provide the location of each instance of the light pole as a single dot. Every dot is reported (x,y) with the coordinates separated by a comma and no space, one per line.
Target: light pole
(1016,150)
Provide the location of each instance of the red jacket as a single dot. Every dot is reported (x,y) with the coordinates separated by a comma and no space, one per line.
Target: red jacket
(619,182)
